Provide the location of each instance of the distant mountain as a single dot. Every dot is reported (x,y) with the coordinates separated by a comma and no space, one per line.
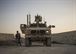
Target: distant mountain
(7,39)
(6,36)
(65,37)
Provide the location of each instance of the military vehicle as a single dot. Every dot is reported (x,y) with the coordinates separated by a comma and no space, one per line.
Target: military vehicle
(37,31)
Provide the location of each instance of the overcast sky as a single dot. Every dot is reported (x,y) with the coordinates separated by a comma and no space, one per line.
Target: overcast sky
(61,13)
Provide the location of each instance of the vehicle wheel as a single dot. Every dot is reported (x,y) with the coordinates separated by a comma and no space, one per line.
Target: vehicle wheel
(44,42)
(27,42)
(48,42)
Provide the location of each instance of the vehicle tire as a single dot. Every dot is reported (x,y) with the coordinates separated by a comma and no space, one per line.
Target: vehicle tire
(27,42)
(44,42)
(48,41)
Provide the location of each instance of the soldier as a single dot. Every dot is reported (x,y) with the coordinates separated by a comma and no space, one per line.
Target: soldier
(18,38)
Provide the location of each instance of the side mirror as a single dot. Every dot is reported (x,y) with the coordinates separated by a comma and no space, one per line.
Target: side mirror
(53,26)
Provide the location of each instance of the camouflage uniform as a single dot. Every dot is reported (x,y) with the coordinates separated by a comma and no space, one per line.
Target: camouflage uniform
(18,38)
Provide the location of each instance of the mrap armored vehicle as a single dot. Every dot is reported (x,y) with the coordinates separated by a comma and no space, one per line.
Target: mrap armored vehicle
(37,31)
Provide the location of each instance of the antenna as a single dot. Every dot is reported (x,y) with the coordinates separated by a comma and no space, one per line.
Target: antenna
(44,20)
(29,19)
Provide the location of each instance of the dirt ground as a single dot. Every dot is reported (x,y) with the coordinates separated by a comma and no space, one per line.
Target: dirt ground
(39,49)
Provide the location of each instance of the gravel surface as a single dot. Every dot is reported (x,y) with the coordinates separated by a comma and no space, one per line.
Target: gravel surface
(55,49)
